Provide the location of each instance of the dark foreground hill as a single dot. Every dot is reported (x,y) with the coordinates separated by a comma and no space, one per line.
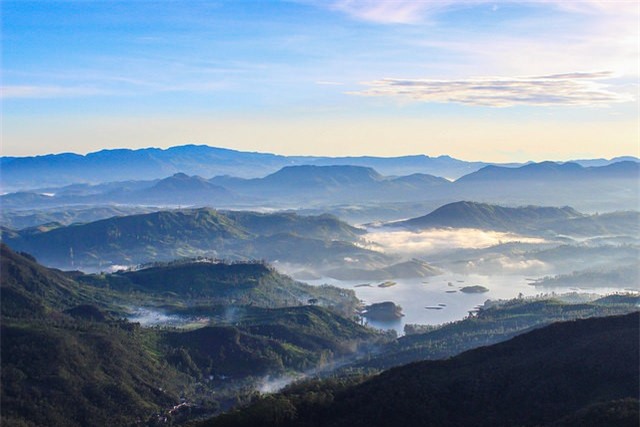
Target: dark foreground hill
(563,374)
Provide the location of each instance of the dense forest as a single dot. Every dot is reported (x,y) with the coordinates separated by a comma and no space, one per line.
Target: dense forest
(565,374)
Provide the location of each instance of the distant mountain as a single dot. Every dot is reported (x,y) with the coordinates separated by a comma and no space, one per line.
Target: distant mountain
(550,171)
(322,176)
(152,163)
(536,379)
(124,164)
(313,185)
(604,162)
(181,188)
(485,216)
(615,186)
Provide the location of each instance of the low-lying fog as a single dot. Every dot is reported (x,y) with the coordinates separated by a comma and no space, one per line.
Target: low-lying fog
(437,240)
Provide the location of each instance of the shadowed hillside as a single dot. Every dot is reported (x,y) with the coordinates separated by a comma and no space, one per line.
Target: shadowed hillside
(550,375)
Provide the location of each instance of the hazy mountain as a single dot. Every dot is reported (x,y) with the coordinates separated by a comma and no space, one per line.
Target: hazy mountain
(180,188)
(534,379)
(362,191)
(611,187)
(165,235)
(604,162)
(314,185)
(153,163)
(142,164)
(526,219)
(18,219)
(554,172)
(484,216)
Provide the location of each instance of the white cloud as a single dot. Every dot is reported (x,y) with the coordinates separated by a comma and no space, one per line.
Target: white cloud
(558,89)
(415,11)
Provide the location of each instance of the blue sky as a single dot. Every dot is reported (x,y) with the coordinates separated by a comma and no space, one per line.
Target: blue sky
(486,80)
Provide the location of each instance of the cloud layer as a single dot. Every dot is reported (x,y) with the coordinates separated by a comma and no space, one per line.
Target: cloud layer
(436,240)
(557,89)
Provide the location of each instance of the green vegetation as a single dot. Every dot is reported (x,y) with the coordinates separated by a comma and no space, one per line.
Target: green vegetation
(475,289)
(167,235)
(493,323)
(383,311)
(622,277)
(69,359)
(557,375)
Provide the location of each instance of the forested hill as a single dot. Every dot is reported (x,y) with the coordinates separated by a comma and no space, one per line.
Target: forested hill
(485,216)
(167,235)
(550,376)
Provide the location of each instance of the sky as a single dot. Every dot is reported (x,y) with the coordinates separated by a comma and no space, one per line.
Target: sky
(496,81)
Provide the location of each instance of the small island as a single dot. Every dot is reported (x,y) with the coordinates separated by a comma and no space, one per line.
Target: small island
(363,285)
(476,289)
(383,311)
(387,284)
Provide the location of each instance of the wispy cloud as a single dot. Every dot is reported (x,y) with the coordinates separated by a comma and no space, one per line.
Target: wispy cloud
(328,83)
(32,91)
(413,11)
(557,89)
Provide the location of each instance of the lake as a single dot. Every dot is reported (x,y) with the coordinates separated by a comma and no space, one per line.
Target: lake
(414,295)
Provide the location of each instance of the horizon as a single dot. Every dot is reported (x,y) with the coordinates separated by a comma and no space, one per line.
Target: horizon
(86,153)
(502,81)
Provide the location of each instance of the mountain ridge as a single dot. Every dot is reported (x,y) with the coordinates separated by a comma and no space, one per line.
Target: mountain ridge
(152,163)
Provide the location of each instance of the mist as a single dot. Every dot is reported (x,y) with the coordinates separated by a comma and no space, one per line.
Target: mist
(431,241)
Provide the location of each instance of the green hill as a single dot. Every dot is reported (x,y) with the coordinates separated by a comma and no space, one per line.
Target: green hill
(485,216)
(68,359)
(167,235)
(271,342)
(550,375)
(30,290)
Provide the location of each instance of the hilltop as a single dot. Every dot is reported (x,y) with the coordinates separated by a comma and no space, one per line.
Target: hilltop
(524,219)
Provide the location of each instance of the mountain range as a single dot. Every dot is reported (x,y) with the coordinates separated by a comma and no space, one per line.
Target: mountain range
(22,173)
(611,187)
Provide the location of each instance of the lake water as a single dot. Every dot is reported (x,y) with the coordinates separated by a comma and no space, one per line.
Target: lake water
(413,295)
